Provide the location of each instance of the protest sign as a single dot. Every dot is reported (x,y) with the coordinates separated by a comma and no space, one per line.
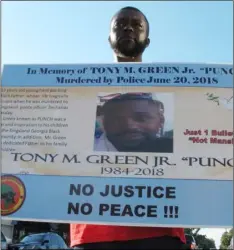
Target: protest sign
(120,201)
(135,122)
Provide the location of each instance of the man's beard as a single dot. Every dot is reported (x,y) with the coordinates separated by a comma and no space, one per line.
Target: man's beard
(128,48)
(129,145)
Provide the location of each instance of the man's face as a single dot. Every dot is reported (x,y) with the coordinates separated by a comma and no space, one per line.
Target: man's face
(129,33)
(128,124)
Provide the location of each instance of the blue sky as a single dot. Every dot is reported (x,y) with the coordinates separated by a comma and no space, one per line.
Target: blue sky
(76,32)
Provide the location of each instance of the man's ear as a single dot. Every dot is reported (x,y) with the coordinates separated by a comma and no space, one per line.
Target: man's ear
(147,42)
(109,39)
(162,120)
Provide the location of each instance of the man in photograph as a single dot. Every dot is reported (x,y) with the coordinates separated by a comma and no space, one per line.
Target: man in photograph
(129,37)
(133,122)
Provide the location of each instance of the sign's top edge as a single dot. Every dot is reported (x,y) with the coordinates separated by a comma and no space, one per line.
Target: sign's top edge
(77,64)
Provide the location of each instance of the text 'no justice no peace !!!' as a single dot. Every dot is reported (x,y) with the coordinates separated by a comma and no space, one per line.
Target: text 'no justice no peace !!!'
(120,209)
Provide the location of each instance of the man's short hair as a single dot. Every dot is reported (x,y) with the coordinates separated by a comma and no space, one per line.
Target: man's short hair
(134,9)
(133,96)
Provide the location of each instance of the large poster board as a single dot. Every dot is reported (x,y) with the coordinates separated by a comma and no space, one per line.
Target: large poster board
(139,144)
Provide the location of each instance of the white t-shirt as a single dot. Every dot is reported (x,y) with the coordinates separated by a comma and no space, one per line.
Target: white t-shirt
(103,144)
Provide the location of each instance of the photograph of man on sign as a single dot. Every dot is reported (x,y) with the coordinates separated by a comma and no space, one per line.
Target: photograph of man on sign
(132,122)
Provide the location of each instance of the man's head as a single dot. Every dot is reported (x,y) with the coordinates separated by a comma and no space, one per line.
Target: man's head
(129,33)
(132,119)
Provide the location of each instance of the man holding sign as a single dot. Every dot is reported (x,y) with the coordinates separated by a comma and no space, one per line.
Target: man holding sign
(128,39)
